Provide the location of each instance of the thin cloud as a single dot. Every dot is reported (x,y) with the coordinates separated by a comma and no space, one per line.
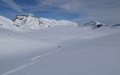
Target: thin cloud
(106,11)
(13,5)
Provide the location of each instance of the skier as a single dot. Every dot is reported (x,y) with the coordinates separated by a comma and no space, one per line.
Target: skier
(58,46)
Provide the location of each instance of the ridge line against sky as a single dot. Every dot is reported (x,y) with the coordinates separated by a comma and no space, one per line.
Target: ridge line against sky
(82,11)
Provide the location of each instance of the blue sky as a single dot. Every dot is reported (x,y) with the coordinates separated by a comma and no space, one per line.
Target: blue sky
(105,11)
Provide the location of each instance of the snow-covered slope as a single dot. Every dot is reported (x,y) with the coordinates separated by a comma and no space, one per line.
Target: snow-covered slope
(7,23)
(29,21)
(59,50)
(94,24)
(82,51)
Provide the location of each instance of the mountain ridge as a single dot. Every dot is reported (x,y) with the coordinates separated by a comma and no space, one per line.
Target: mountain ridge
(7,23)
(31,22)
(95,24)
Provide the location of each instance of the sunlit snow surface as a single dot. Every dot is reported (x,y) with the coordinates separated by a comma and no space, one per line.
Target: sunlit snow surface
(82,51)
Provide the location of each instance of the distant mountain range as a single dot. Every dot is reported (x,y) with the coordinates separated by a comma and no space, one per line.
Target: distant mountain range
(95,24)
(29,21)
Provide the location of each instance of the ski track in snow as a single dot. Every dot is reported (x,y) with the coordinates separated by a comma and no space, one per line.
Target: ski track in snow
(33,61)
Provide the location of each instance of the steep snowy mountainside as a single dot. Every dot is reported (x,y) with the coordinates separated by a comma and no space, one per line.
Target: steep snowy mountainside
(7,23)
(94,24)
(29,21)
